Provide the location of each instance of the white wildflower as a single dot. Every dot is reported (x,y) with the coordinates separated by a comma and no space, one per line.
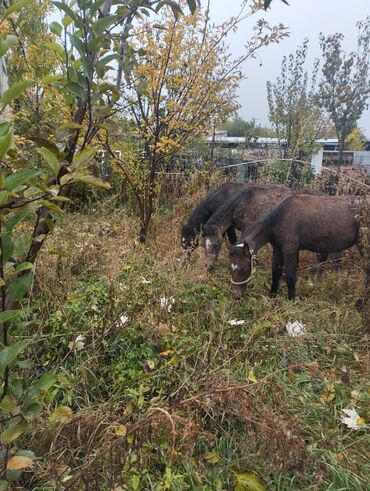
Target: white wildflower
(122,320)
(234,322)
(352,419)
(167,303)
(296,328)
(144,281)
(78,344)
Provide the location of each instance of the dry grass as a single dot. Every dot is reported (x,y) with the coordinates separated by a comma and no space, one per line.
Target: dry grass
(188,394)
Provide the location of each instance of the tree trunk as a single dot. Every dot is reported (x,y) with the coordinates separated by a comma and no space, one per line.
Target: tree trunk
(4,85)
(341,151)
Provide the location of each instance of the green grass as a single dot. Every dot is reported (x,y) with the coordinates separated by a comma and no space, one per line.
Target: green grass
(171,377)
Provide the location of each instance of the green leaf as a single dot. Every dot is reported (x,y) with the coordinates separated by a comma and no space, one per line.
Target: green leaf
(9,405)
(23,267)
(43,383)
(77,43)
(14,220)
(13,432)
(92,181)
(176,9)
(31,409)
(56,28)
(50,159)
(5,128)
(10,353)
(101,24)
(57,48)
(19,286)
(67,20)
(16,6)
(49,79)
(62,414)
(52,206)
(8,247)
(9,315)
(19,178)
(16,90)
(43,142)
(5,143)
(66,9)
(192,4)
(3,485)
(248,482)
(4,196)
(83,157)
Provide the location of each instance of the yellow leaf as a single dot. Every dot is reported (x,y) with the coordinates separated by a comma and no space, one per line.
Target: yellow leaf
(166,353)
(62,414)
(174,361)
(329,395)
(19,462)
(212,457)
(301,399)
(251,376)
(248,482)
(121,430)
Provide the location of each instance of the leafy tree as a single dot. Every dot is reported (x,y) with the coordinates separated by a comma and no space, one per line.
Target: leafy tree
(239,127)
(345,83)
(182,84)
(293,108)
(42,153)
(355,140)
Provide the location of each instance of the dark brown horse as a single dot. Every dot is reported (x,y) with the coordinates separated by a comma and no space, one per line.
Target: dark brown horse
(201,214)
(322,224)
(239,212)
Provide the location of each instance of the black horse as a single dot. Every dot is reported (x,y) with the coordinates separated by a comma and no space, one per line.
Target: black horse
(239,211)
(322,224)
(203,211)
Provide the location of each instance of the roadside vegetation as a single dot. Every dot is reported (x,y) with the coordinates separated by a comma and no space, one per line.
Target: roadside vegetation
(159,388)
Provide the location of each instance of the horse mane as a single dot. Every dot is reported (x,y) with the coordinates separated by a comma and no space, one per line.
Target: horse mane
(227,209)
(268,219)
(201,213)
(199,216)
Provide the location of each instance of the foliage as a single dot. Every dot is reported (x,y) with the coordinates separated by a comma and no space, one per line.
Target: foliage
(293,108)
(161,370)
(345,83)
(54,99)
(249,129)
(355,140)
(290,173)
(183,82)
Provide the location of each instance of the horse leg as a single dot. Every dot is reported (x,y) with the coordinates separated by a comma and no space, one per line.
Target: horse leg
(231,235)
(277,270)
(290,264)
(336,257)
(321,258)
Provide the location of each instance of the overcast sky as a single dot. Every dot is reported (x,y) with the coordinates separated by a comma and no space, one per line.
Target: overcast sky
(304,18)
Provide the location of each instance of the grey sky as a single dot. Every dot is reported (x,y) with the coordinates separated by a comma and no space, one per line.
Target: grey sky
(304,18)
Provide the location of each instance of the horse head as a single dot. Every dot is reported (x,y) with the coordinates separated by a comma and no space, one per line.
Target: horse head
(241,266)
(212,241)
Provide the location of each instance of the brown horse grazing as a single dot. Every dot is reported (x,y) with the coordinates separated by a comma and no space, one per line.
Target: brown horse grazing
(200,215)
(322,224)
(239,212)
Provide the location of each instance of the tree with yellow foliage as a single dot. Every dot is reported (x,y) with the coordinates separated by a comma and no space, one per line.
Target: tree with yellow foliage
(182,83)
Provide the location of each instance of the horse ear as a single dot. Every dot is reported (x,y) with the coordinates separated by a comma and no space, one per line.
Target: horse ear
(247,245)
